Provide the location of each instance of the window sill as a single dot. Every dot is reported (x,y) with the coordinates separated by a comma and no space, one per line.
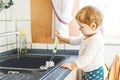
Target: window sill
(112,40)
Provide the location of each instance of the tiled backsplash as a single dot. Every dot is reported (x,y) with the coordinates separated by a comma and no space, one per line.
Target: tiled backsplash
(2,15)
(51,46)
(14,19)
(3,49)
(2,26)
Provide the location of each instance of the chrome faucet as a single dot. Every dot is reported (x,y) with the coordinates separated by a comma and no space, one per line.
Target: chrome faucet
(12,33)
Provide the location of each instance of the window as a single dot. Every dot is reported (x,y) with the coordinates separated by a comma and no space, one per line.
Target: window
(111,21)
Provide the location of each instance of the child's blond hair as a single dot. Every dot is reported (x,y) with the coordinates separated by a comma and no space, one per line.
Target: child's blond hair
(89,15)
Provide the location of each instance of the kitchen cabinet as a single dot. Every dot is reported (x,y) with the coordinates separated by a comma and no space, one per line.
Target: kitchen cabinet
(72,75)
(75,75)
(41,21)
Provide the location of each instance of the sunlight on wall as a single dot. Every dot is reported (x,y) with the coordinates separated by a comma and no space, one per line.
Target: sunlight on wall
(110,11)
(111,19)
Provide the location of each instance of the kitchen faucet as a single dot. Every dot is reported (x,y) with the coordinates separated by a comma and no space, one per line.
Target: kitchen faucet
(17,42)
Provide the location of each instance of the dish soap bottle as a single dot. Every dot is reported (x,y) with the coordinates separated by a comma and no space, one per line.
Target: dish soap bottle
(23,43)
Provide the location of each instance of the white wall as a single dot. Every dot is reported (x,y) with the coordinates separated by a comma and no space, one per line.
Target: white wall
(110,53)
(15,18)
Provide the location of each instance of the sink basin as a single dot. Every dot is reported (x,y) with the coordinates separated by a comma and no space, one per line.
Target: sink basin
(29,61)
(16,74)
(26,67)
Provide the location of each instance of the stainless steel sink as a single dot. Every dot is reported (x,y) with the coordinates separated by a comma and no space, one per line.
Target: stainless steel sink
(16,74)
(29,61)
(26,67)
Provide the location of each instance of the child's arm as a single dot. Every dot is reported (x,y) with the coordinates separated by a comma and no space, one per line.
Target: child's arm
(61,38)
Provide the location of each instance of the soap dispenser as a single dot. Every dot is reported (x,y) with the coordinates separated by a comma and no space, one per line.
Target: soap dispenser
(23,43)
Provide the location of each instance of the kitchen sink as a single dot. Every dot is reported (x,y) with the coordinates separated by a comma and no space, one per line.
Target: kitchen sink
(29,61)
(16,74)
(26,67)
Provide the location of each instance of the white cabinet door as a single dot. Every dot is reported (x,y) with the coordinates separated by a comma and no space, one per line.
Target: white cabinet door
(72,75)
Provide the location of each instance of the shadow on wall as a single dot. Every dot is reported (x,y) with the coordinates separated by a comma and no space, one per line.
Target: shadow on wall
(4,4)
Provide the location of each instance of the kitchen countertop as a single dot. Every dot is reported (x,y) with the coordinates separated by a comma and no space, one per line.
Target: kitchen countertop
(57,73)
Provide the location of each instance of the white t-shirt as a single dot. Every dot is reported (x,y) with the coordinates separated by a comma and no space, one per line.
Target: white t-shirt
(90,52)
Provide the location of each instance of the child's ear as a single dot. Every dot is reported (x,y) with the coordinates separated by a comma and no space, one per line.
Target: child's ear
(93,26)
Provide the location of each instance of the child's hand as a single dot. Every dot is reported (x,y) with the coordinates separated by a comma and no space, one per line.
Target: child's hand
(61,38)
(57,33)
(66,65)
(70,66)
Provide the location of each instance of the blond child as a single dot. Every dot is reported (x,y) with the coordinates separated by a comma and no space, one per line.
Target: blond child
(90,58)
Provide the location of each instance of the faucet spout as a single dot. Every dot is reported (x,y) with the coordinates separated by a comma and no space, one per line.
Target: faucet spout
(9,33)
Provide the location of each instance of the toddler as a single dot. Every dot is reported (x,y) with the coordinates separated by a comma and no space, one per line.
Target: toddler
(91,49)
